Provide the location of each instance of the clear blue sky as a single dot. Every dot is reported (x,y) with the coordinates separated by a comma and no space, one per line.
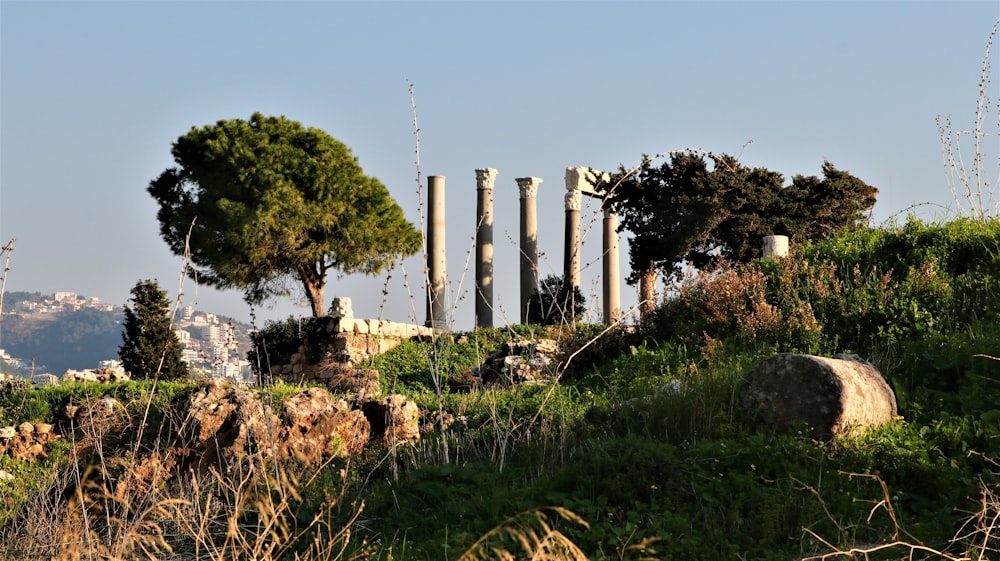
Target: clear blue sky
(92,94)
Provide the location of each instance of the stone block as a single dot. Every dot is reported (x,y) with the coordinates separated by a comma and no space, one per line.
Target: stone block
(829,396)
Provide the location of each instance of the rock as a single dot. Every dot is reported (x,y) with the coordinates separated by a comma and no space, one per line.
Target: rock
(317,426)
(524,362)
(98,375)
(394,419)
(7,433)
(26,429)
(442,420)
(6,475)
(225,425)
(341,308)
(832,396)
(361,383)
(43,428)
(108,403)
(110,375)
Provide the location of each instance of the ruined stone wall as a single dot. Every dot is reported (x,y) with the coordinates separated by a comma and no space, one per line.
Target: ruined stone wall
(344,344)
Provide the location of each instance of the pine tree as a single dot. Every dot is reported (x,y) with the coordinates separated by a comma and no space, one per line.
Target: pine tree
(150,346)
(268,204)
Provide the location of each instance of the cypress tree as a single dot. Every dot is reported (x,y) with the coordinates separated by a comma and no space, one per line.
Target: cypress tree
(150,346)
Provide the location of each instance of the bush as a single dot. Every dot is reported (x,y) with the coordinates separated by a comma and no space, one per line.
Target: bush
(555,302)
(277,341)
(857,292)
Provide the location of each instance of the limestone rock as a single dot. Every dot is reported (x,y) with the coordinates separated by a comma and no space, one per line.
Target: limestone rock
(360,383)
(524,362)
(27,441)
(832,396)
(316,426)
(394,419)
(98,375)
(341,308)
(436,420)
(224,425)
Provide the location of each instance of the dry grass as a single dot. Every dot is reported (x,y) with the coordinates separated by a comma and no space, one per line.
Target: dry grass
(977,540)
(529,535)
(251,515)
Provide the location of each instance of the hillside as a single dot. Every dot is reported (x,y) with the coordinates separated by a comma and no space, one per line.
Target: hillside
(45,333)
(634,445)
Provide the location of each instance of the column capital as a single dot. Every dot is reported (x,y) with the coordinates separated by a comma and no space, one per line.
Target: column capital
(583,179)
(528,186)
(574,200)
(576,178)
(485,178)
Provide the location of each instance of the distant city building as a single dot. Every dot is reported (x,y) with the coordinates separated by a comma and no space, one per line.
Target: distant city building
(210,347)
(45,379)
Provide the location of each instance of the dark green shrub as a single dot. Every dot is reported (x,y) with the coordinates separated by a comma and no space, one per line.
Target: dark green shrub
(277,341)
(555,302)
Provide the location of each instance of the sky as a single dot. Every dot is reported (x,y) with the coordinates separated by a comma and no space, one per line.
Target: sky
(93,94)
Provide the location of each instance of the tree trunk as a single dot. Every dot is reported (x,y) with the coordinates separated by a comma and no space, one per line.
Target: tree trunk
(647,293)
(313,284)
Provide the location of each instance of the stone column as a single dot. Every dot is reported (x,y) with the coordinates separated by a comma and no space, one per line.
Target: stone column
(775,246)
(484,246)
(574,201)
(612,277)
(436,276)
(528,186)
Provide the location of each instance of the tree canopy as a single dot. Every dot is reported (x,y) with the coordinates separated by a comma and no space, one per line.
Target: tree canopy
(267,204)
(150,346)
(697,208)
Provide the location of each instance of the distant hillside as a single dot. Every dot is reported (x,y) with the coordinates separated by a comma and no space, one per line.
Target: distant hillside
(66,331)
(57,342)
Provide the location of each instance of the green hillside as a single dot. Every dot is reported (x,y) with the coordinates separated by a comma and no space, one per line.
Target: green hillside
(641,450)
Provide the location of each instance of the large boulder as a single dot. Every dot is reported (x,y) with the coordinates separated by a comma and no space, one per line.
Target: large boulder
(316,426)
(225,425)
(394,419)
(831,396)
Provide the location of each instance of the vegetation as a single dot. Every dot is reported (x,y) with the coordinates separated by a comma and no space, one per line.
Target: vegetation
(263,204)
(642,451)
(150,347)
(686,213)
(555,303)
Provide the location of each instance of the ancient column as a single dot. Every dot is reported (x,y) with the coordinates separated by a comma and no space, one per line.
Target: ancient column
(484,246)
(436,276)
(775,246)
(574,200)
(612,278)
(528,186)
